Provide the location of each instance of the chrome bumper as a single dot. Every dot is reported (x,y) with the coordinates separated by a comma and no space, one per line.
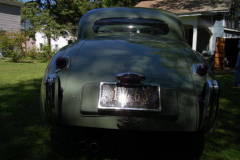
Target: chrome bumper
(52,98)
(210,104)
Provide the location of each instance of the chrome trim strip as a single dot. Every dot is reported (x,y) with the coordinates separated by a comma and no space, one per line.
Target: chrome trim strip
(141,77)
(207,100)
(214,107)
(211,106)
(215,84)
(49,79)
(52,103)
(194,68)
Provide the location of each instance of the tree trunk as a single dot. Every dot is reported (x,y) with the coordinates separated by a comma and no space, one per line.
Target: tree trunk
(49,39)
(25,37)
(49,29)
(236,23)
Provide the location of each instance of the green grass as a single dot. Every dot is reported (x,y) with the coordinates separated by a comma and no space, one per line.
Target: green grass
(23,136)
(224,143)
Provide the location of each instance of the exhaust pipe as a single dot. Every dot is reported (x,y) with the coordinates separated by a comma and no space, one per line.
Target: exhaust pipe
(94,147)
(83,146)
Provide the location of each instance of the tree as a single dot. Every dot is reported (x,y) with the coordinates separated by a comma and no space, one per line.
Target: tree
(121,3)
(68,13)
(37,16)
(236,13)
(30,18)
(54,17)
(232,16)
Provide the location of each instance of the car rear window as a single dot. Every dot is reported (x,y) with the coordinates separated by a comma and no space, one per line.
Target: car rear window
(131,25)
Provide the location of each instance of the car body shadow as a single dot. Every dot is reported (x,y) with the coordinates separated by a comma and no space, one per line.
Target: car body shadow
(125,144)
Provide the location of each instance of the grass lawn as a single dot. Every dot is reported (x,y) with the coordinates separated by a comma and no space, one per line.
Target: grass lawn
(224,143)
(23,136)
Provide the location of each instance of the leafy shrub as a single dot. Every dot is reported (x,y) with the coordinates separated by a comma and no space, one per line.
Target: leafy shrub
(46,53)
(11,44)
(17,56)
(42,55)
(32,54)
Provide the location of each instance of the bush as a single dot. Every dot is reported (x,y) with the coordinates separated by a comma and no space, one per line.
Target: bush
(32,54)
(11,44)
(17,56)
(46,53)
(43,55)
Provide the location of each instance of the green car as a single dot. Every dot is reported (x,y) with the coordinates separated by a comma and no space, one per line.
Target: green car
(130,69)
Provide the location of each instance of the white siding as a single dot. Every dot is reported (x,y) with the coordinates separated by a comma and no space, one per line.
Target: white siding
(60,42)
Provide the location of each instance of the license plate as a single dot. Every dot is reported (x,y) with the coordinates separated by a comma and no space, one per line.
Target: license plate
(143,97)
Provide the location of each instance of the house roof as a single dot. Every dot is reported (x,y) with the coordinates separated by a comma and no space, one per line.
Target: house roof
(188,6)
(11,3)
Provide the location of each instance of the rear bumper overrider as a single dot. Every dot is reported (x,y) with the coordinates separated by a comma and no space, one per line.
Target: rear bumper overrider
(53,94)
(209,106)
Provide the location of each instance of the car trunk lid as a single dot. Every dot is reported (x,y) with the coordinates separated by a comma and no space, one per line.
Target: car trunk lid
(160,61)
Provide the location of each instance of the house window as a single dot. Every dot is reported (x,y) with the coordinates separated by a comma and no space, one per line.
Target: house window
(56,37)
(56,46)
(41,46)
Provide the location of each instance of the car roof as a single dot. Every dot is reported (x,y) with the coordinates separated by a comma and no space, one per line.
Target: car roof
(87,21)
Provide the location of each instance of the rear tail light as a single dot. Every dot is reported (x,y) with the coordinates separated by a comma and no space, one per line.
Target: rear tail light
(202,69)
(61,62)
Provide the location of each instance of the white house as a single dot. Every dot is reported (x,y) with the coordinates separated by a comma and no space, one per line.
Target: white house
(207,29)
(56,43)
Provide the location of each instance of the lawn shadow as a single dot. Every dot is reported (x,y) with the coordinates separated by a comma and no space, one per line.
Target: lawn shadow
(20,128)
(227,131)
